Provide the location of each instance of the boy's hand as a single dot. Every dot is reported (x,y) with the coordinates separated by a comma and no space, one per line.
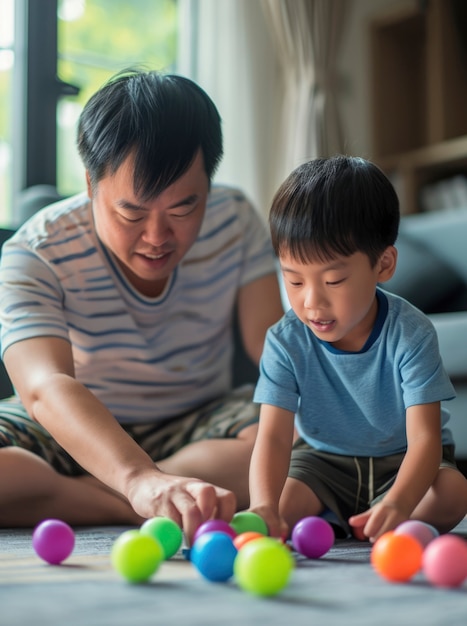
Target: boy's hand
(374,522)
(276,525)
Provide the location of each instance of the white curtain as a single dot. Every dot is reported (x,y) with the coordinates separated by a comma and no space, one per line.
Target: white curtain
(269,65)
(227,49)
(306,34)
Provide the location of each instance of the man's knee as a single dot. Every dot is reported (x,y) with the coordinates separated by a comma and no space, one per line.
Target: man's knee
(248,434)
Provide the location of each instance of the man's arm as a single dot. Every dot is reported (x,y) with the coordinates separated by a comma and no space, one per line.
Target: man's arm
(42,371)
(259,307)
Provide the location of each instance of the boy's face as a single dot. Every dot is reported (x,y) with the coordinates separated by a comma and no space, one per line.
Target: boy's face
(336,299)
(149,238)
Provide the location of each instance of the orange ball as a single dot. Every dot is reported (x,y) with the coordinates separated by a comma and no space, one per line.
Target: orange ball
(244,538)
(396,557)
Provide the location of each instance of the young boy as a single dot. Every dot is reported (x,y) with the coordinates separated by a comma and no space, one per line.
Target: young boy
(357,370)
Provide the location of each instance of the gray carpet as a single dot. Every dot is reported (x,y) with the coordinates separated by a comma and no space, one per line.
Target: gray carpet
(339,588)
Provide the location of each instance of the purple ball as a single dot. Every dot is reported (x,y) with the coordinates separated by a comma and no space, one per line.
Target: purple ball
(53,540)
(422,532)
(215,525)
(312,536)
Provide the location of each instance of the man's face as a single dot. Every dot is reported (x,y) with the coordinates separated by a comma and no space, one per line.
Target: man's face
(149,238)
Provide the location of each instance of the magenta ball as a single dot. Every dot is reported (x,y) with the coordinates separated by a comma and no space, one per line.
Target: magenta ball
(445,561)
(312,536)
(422,532)
(215,525)
(53,540)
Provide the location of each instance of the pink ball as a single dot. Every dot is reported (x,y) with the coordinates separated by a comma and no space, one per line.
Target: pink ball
(445,561)
(215,525)
(422,532)
(312,536)
(53,540)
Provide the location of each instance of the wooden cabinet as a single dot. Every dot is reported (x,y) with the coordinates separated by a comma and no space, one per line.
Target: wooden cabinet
(419,95)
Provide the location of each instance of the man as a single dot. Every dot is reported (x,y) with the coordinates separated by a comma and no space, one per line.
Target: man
(116,317)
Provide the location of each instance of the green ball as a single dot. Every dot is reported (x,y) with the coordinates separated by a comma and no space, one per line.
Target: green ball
(136,557)
(247,521)
(263,567)
(166,531)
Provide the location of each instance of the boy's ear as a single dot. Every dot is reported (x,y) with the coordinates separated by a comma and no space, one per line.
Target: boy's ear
(387,264)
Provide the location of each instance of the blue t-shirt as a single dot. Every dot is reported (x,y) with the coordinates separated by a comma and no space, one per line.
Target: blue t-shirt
(354,403)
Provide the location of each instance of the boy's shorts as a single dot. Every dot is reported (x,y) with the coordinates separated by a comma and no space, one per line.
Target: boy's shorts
(348,485)
(220,419)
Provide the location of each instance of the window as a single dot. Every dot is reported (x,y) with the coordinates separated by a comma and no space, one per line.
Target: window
(96,39)
(6,75)
(65,50)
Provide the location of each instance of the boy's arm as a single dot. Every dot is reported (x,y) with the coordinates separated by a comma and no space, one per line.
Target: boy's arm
(270,465)
(416,473)
(42,372)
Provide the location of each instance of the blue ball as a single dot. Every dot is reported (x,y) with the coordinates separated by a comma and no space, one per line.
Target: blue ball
(213,554)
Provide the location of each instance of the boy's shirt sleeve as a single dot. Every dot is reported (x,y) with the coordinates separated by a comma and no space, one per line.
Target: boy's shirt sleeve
(277,383)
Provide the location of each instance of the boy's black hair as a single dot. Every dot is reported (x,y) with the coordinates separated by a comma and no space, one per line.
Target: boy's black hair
(332,207)
(163,119)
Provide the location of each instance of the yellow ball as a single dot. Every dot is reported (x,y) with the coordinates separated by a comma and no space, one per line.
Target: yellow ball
(263,566)
(136,557)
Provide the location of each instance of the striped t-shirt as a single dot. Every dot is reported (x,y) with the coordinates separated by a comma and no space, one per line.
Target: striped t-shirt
(146,359)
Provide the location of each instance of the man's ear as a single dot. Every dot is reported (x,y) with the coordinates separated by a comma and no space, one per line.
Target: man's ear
(387,264)
(88,185)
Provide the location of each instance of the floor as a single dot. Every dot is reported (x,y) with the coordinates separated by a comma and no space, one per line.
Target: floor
(339,588)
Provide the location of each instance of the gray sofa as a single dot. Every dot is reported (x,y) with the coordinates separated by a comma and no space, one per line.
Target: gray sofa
(432,273)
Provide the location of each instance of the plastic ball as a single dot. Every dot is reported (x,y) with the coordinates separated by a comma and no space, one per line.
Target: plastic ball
(166,531)
(263,567)
(424,533)
(213,554)
(396,557)
(445,561)
(53,540)
(215,525)
(357,532)
(243,538)
(135,556)
(246,521)
(313,536)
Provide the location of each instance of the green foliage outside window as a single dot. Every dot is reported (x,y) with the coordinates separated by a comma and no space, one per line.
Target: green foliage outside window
(6,64)
(96,39)
(110,35)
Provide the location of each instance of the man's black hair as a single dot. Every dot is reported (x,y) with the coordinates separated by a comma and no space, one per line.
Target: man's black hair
(162,119)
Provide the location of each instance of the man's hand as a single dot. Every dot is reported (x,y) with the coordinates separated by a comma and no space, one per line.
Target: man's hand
(187,501)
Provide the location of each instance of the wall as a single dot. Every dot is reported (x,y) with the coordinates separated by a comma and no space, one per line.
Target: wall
(354,65)
(234,60)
